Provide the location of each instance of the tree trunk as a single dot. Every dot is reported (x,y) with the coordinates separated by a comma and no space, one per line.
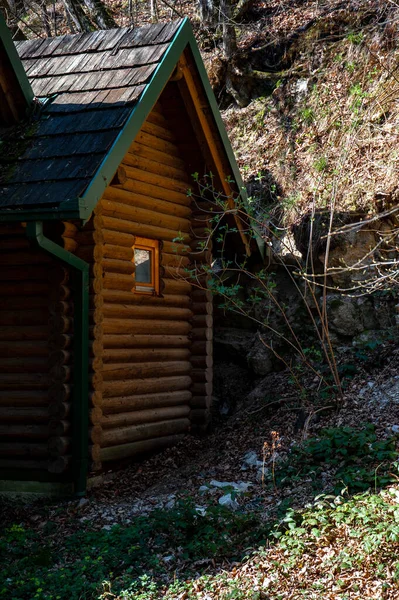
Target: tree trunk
(154,11)
(75,11)
(229,32)
(99,14)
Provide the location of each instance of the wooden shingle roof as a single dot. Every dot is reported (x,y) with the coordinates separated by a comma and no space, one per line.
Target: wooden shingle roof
(90,84)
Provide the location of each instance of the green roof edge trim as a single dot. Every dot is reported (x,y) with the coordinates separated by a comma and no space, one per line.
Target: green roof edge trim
(6,38)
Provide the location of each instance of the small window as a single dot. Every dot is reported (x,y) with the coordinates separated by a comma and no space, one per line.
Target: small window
(146,262)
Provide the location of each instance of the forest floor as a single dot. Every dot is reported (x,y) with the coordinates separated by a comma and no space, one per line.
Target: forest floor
(279,501)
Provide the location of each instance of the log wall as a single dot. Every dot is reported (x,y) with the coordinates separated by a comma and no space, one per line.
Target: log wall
(35,332)
(142,370)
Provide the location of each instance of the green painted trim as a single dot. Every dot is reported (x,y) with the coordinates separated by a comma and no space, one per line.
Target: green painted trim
(15,61)
(80,416)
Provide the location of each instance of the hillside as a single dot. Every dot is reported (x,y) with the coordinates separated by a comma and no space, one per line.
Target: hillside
(293,491)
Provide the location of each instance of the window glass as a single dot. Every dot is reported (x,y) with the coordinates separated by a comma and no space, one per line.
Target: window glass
(142,260)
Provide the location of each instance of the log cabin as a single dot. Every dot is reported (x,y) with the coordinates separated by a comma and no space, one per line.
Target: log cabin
(105,341)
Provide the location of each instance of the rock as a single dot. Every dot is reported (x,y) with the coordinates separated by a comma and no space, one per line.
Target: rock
(201,510)
(233,343)
(237,487)
(250,460)
(260,359)
(344,315)
(228,502)
(395,429)
(83,502)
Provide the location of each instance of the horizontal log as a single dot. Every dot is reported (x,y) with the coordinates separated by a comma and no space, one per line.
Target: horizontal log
(142,326)
(202,308)
(153,166)
(145,341)
(120,372)
(201,362)
(152,141)
(126,297)
(146,312)
(59,392)
(146,386)
(24,381)
(23,449)
(113,265)
(59,357)
(22,302)
(174,260)
(14,243)
(200,257)
(200,333)
(64,292)
(85,238)
(21,398)
(94,452)
(135,433)
(139,229)
(22,349)
(21,273)
(124,451)
(60,464)
(176,286)
(180,273)
(204,402)
(102,251)
(146,202)
(145,401)
(96,433)
(33,432)
(156,179)
(26,365)
(31,332)
(202,321)
(27,415)
(12,229)
(201,348)
(95,415)
(115,281)
(202,389)
(24,258)
(113,237)
(24,317)
(200,416)
(201,375)
(60,341)
(145,216)
(159,131)
(24,288)
(59,410)
(61,373)
(86,253)
(198,246)
(14,464)
(152,153)
(144,416)
(201,295)
(59,427)
(60,323)
(70,245)
(144,354)
(176,248)
(58,446)
(154,191)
